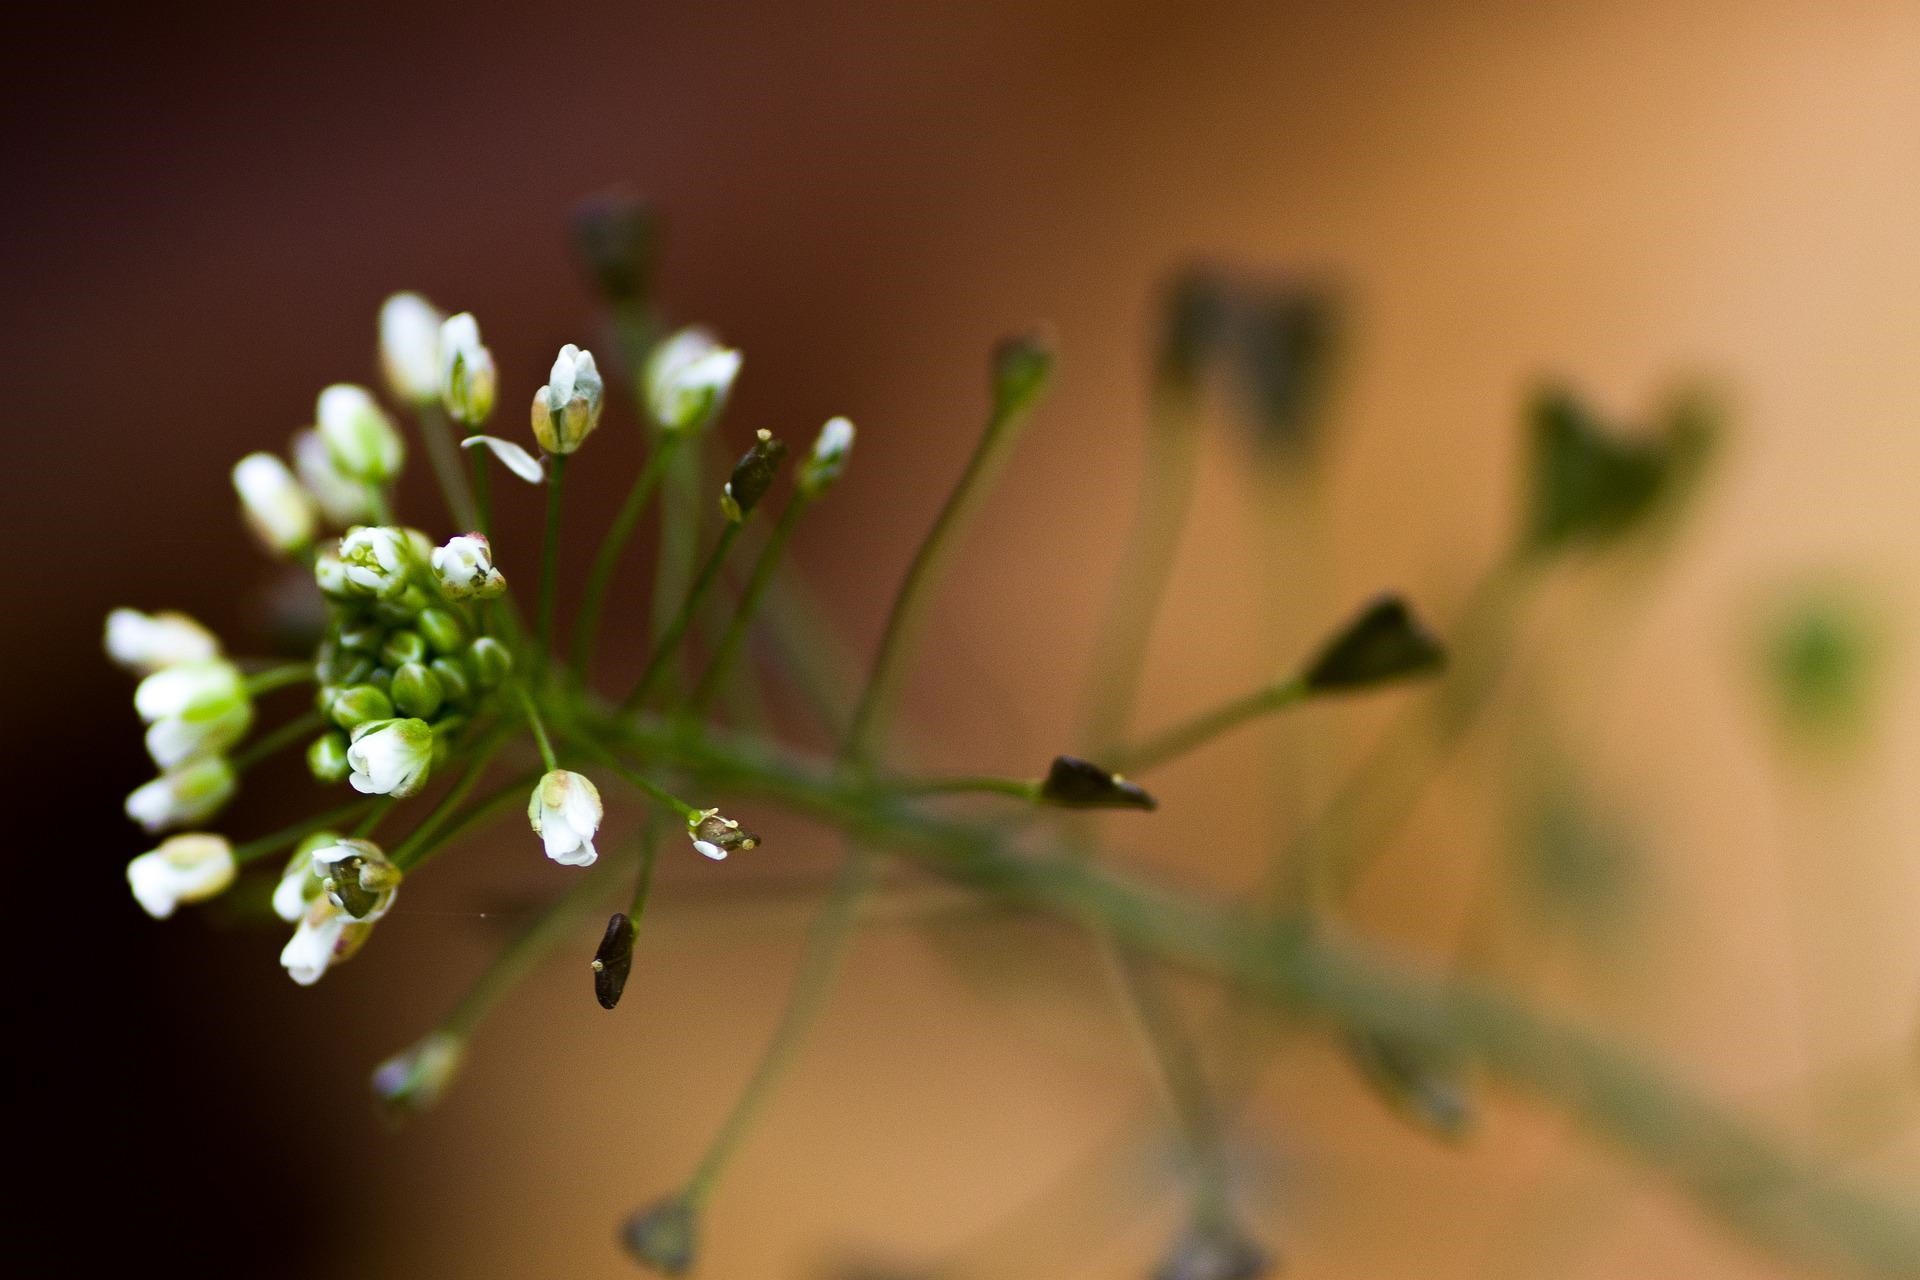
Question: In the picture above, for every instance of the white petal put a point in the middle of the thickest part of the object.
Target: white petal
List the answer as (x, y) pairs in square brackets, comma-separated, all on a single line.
[(512, 456)]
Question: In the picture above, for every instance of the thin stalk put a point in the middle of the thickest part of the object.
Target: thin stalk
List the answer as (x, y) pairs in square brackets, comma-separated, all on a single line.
[(826, 946), (278, 740), (512, 792), (539, 727), (448, 474), (550, 556), (410, 849), (679, 533), (478, 460), (669, 643), (606, 560), (643, 884), (749, 605), (287, 837), (635, 778), (378, 504), (279, 677), (382, 806), (1209, 725), (1027, 789)]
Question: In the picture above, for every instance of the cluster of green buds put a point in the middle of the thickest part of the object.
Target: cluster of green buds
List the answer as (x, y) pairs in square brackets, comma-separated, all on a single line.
[(408, 657)]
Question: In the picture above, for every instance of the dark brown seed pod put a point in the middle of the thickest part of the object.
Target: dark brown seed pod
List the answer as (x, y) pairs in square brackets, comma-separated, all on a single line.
[(613, 961), (1081, 784)]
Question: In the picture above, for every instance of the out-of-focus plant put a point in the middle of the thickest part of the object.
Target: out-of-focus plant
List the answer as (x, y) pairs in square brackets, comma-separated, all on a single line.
[(441, 698)]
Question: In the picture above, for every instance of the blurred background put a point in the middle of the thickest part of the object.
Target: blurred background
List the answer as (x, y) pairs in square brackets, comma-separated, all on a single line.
[(1692, 820)]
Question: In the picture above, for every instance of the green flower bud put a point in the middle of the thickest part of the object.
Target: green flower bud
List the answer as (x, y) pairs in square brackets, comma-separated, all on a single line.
[(441, 629), (362, 636), (567, 409), (1021, 370), (357, 704), (456, 686), (688, 378), (403, 647), (490, 661), (416, 691), (327, 757), (467, 376), (828, 459), (359, 436)]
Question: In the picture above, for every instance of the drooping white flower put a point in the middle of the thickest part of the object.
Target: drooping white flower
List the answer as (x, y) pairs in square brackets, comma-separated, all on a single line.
[(359, 434), (357, 877), (567, 409), (320, 938), (193, 709), (149, 642), (715, 836), (280, 513), (511, 456), (299, 884), (184, 796), (374, 560), (410, 347), (467, 376), (390, 757), (342, 499), (464, 566), (415, 1078), (688, 377), (828, 459), (186, 868), (565, 812)]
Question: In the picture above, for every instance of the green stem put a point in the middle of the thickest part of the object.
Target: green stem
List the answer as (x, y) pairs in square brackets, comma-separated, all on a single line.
[(1209, 725), (643, 885), (444, 455), (669, 643), (749, 605), (279, 739), (287, 837), (411, 848), (607, 559), (1027, 789), (826, 946), (513, 791), (378, 504), (382, 806), (550, 555), (538, 726), (679, 530), (279, 677), (478, 461), (635, 778)]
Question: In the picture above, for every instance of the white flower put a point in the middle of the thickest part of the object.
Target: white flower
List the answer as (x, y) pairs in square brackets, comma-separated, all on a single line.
[(374, 560), (318, 940), (715, 837), (357, 877), (567, 409), (149, 642), (342, 499), (193, 709), (299, 885), (688, 378), (181, 797), (467, 376), (390, 757), (511, 456), (410, 347), (828, 459), (188, 868), (565, 812), (465, 567), (281, 513), (359, 434)]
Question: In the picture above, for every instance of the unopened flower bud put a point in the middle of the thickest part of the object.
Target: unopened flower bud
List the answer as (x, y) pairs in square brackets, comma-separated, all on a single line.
[(663, 1236), (376, 560), (564, 811), (567, 409), (414, 1079), (715, 837), (327, 757), (467, 376), (1383, 642), (1080, 784), (456, 684), (193, 709), (1214, 1252), (465, 568), (489, 660), (280, 513), (149, 642), (1021, 370), (357, 877), (613, 961), (511, 456), (441, 629), (342, 499), (362, 439), (390, 757), (410, 347), (416, 691), (828, 459), (402, 646), (188, 868), (752, 477), (357, 704), (688, 378), (184, 796)]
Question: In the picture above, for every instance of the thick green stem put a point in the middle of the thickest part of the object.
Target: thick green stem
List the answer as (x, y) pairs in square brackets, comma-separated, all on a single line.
[(1209, 725), (668, 646), (606, 560)]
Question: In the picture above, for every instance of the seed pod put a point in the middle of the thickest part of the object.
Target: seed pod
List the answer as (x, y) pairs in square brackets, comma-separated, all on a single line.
[(1384, 642), (1080, 784), (752, 477), (613, 961)]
